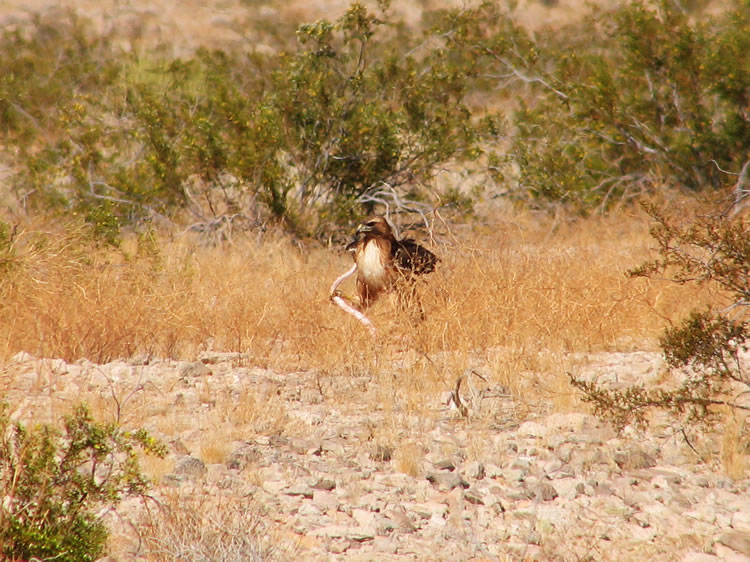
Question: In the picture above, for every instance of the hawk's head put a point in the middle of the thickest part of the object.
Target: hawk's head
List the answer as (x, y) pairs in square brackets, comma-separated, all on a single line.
[(377, 226)]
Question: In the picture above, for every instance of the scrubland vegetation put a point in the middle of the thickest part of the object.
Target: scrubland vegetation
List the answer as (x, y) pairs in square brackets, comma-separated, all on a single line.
[(158, 206)]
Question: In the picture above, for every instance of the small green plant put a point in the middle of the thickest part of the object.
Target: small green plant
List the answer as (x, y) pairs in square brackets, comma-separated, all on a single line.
[(54, 485), (705, 349)]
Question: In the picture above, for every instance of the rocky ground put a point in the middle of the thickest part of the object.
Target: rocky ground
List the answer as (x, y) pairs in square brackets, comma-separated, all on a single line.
[(335, 472)]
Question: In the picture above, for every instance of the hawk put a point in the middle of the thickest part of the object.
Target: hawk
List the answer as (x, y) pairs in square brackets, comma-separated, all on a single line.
[(382, 261)]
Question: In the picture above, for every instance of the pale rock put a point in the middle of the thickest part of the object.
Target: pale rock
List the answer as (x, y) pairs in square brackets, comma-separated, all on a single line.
[(473, 498), (402, 521), (427, 510), (737, 541), (556, 515), (515, 475), (361, 534), (216, 472), (584, 459), (299, 490), (22, 357), (324, 501), (484, 516), (243, 456), (573, 422), (447, 480), (492, 471), (343, 532), (545, 491), (59, 367), (564, 452), (702, 481), (190, 467), (641, 534), (569, 488), (385, 545), (633, 458), (274, 486), (335, 446), (363, 517), (700, 557), (445, 464), (325, 484), (741, 521), (532, 429), (552, 467), (195, 369), (339, 545), (371, 502), (302, 446), (383, 525), (554, 440), (727, 554), (308, 509), (522, 463), (586, 439), (437, 522), (118, 372), (475, 470), (665, 481)]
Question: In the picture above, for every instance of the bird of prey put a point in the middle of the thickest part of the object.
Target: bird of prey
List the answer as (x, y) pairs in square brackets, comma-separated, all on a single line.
[(384, 262)]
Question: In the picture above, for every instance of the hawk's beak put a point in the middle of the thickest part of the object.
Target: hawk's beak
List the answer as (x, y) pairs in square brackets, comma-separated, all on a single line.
[(364, 228)]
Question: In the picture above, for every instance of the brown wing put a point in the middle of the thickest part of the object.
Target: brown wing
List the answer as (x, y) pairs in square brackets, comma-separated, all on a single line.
[(410, 257)]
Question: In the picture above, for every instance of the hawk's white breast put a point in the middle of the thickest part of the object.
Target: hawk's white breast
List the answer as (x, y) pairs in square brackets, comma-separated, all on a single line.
[(371, 265)]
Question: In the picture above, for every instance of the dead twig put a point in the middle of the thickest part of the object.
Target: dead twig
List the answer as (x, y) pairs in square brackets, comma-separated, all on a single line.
[(455, 396)]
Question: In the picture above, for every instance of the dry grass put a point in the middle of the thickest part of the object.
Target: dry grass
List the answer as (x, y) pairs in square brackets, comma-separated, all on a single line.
[(517, 296), (734, 458), (520, 287), (203, 526)]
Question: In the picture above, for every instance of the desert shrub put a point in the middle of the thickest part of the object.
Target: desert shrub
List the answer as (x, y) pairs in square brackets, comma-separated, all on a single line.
[(704, 350), (55, 484), (629, 100), (44, 68), (363, 112), (368, 119), (348, 120)]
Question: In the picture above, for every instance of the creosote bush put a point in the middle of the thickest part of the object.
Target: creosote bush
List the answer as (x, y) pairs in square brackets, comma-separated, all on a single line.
[(55, 484), (309, 138), (364, 112), (705, 350), (627, 101)]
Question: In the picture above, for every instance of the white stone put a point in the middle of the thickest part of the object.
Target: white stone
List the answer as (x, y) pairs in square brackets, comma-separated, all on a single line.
[(741, 521), (700, 557), (22, 357), (274, 486), (308, 509), (363, 517), (532, 429)]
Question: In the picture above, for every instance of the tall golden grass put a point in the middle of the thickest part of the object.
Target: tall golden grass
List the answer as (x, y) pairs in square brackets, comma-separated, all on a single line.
[(520, 283)]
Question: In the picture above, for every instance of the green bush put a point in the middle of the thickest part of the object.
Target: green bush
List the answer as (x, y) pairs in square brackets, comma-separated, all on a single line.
[(362, 112), (317, 136), (704, 350), (631, 100), (45, 69), (54, 485)]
